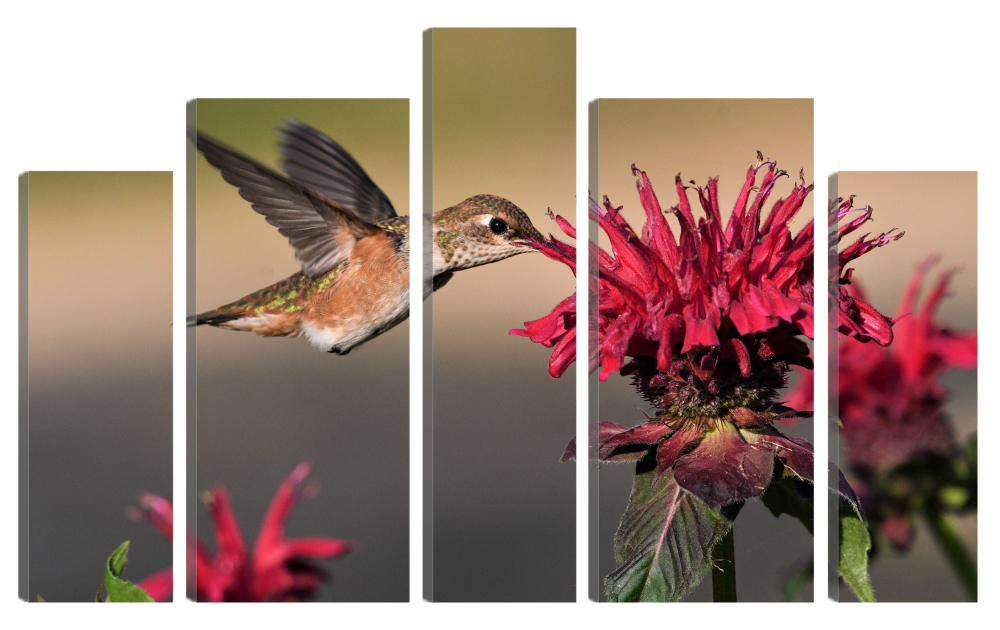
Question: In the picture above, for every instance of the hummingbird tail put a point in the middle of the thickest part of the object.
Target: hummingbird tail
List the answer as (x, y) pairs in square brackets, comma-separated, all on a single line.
[(212, 318), (272, 311)]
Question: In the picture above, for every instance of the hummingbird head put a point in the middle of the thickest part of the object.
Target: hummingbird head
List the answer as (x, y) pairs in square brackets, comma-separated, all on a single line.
[(480, 230)]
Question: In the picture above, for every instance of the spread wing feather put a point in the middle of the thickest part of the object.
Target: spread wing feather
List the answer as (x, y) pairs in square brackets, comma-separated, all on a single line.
[(314, 161), (322, 232)]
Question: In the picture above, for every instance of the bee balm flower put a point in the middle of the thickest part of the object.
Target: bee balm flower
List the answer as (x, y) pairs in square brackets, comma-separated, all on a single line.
[(892, 407), (277, 570), (707, 323)]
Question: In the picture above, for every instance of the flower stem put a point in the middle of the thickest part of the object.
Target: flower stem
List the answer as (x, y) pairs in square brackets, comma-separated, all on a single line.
[(724, 569), (949, 542)]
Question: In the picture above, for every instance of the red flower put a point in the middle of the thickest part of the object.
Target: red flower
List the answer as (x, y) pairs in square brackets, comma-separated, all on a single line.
[(278, 569), (558, 329), (890, 400), (891, 404), (719, 293), (712, 320)]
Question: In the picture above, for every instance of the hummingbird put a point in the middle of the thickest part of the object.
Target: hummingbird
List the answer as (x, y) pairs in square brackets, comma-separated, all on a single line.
[(353, 248)]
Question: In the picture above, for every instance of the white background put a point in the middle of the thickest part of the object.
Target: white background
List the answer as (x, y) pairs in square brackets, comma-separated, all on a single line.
[(102, 86)]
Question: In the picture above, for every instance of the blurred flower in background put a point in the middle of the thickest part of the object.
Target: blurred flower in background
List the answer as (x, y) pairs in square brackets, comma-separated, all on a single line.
[(277, 570), (900, 450)]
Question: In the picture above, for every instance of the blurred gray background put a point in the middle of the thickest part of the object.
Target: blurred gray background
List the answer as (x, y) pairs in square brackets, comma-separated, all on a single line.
[(701, 138), (266, 404), (938, 212), (503, 506), (99, 356)]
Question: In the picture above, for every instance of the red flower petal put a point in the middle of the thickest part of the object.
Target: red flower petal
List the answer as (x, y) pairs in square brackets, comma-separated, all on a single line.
[(552, 327), (701, 321), (661, 236), (563, 355), (723, 468), (157, 511), (228, 538), (899, 531), (856, 318), (318, 547), (861, 320), (272, 530), (599, 433), (160, 586), (628, 442), (735, 350), (673, 447), (746, 418), (795, 453), (929, 347)]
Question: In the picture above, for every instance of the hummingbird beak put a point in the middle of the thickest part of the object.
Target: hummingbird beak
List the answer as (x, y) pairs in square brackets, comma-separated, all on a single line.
[(528, 242), (532, 239)]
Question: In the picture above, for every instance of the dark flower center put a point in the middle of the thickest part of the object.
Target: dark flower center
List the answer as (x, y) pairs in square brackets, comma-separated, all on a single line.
[(699, 385)]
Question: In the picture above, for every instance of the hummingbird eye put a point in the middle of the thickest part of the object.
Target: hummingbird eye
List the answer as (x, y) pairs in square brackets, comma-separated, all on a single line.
[(498, 226)]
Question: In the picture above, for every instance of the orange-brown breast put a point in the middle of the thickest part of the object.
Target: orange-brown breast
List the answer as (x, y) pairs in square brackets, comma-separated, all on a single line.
[(366, 293)]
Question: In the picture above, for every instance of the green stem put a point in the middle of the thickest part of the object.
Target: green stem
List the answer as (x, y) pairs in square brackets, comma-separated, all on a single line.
[(794, 585), (724, 569), (949, 542)]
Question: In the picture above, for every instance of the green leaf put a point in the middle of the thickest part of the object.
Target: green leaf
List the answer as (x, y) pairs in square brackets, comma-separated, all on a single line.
[(664, 542), (855, 542), (793, 496), (118, 589), (118, 559), (854, 546)]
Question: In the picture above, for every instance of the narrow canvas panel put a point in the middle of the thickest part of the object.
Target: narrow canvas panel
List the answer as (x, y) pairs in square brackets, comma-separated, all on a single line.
[(268, 406), (907, 398), (503, 129), (682, 342), (99, 370)]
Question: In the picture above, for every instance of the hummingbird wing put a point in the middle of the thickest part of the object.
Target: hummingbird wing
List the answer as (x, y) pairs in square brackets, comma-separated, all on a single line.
[(315, 162), (321, 231)]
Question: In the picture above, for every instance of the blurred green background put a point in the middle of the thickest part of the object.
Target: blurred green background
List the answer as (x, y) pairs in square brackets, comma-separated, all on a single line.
[(701, 138), (265, 404), (504, 124), (99, 372)]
